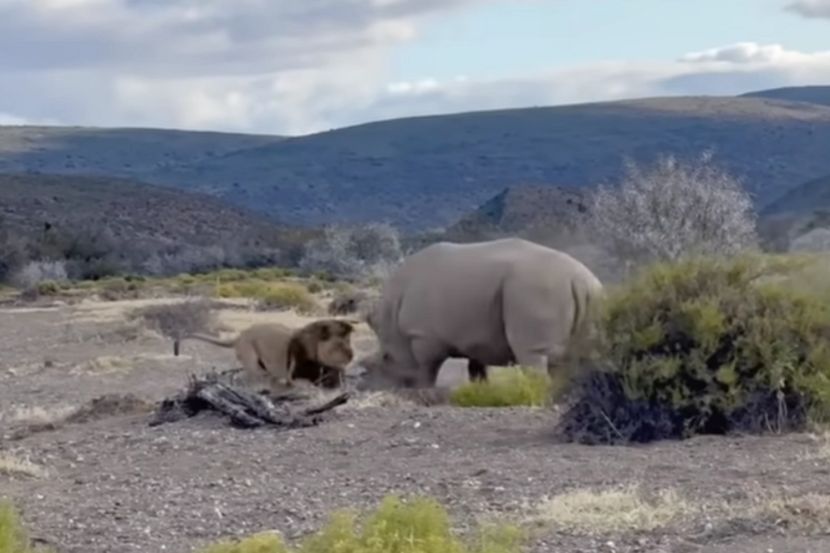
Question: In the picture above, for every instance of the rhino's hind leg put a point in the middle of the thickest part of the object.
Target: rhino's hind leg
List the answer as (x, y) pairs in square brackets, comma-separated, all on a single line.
[(533, 360), (476, 371)]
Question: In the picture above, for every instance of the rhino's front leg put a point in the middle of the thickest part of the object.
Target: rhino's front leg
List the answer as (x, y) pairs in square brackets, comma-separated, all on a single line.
[(429, 356), (476, 371)]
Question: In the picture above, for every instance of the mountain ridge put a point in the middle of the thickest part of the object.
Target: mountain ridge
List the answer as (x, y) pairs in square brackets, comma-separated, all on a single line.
[(430, 171)]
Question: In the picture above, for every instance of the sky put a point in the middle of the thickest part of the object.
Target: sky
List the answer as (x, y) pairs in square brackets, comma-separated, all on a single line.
[(293, 67)]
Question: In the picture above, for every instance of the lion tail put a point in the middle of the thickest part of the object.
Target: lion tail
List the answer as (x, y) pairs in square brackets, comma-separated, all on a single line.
[(227, 343)]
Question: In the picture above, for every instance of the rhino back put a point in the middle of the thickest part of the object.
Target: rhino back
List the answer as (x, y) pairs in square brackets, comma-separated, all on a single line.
[(455, 292)]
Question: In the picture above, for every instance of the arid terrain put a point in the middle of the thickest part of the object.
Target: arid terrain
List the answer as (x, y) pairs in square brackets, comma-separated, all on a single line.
[(113, 484)]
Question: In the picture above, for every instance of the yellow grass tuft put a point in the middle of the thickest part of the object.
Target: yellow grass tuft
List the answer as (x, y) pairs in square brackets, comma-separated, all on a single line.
[(276, 295), (508, 386), (41, 416), (104, 364), (11, 465), (624, 509), (806, 513)]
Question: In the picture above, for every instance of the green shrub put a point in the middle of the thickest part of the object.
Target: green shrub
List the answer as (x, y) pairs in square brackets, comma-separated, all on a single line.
[(258, 543), (229, 275), (417, 526), (707, 346), (13, 537), (270, 273), (48, 288), (314, 286), (287, 296), (509, 386), (272, 295)]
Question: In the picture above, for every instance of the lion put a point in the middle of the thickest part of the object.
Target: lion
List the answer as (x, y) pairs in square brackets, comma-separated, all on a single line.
[(318, 352)]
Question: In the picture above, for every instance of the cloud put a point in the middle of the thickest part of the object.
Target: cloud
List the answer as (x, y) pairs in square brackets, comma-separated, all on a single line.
[(200, 37), (726, 70), (811, 8), (291, 67), (749, 52), (279, 65)]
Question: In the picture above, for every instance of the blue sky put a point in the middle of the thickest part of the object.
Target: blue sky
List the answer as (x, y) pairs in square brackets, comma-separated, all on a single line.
[(504, 38), (299, 66)]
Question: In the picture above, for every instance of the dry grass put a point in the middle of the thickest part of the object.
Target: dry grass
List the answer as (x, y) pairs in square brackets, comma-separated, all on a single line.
[(616, 510), (819, 451), (41, 416), (805, 513), (103, 364), (629, 509), (13, 465)]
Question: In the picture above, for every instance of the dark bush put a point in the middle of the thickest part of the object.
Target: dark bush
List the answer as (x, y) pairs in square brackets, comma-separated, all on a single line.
[(707, 346), (347, 302)]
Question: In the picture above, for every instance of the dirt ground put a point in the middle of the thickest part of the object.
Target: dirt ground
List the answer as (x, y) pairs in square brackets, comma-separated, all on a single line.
[(116, 485)]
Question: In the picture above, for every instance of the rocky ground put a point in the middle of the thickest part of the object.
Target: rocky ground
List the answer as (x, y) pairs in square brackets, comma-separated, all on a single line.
[(113, 484)]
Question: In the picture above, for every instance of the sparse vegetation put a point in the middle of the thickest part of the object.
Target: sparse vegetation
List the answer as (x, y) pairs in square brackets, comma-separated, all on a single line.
[(506, 387), (708, 346), (271, 295), (674, 209), (177, 319), (349, 301), (14, 465), (362, 252), (37, 273), (808, 513), (624, 509), (417, 526), (94, 227)]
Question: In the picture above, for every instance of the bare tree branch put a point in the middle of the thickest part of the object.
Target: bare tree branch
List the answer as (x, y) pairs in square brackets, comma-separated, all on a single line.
[(673, 209)]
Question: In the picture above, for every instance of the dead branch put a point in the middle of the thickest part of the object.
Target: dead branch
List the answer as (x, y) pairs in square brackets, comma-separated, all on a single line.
[(245, 408)]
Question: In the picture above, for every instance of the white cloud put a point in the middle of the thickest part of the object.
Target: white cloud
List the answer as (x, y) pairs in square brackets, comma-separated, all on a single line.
[(750, 52), (291, 67), (811, 8), (278, 65), (731, 69)]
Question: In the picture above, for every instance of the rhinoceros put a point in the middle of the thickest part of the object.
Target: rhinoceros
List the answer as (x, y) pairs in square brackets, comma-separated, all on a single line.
[(497, 302)]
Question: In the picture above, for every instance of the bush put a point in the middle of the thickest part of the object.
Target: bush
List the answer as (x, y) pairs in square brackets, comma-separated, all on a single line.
[(33, 273), (364, 252), (346, 302), (48, 288), (287, 296), (674, 209), (508, 387), (273, 295), (177, 319), (418, 526), (707, 346), (13, 537)]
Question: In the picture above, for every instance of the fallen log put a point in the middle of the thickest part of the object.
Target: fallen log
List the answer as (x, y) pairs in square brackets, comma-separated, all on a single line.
[(245, 408)]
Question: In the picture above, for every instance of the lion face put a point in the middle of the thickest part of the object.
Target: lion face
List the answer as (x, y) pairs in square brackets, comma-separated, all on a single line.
[(333, 343)]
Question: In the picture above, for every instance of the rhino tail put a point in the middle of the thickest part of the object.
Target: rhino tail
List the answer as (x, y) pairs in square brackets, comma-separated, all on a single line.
[(584, 301)]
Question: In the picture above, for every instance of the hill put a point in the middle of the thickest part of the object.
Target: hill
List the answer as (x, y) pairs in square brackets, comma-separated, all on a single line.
[(145, 219), (523, 210), (810, 94), (811, 195), (425, 172), (113, 152), (430, 171)]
